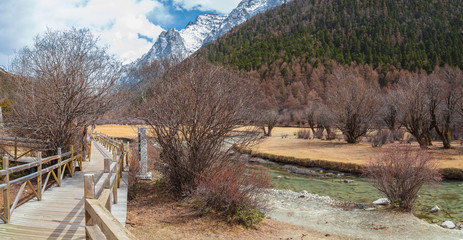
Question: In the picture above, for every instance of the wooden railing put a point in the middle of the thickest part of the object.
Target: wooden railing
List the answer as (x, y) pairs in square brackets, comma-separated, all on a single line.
[(16, 143), (99, 221), (64, 161)]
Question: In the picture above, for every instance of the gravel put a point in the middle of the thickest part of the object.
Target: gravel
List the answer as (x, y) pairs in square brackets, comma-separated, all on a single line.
[(320, 213)]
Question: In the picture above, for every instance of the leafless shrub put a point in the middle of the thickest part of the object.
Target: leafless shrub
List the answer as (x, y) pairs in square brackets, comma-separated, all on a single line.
[(399, 173), (63, 85), (318, 133), (193, 113), (232, 188), (331, 135), (397, 135), (304, 133), (380, 138)]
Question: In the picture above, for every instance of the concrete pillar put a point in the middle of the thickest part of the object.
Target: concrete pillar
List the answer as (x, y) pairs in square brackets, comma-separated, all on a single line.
[(143, 154)]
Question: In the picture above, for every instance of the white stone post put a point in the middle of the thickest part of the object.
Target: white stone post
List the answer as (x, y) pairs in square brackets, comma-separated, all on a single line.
[(143, 154)]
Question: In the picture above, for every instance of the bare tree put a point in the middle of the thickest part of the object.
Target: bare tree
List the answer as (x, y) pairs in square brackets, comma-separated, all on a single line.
[(63, 84), (194, 112), (389, 112), (269, 120), (352, 100), (312, 109), (447, 86), (266, 115), (324, 121), (413, 105)]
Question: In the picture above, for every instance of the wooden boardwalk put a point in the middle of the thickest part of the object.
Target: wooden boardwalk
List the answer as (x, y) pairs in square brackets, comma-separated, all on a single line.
[(60, 214)]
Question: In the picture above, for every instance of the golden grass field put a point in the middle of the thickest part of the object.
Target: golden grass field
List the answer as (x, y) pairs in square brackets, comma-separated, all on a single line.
[(119, 131), (340, 151), (335, 150)]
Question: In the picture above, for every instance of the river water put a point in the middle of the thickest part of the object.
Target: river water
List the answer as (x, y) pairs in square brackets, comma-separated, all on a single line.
[(448, 195)]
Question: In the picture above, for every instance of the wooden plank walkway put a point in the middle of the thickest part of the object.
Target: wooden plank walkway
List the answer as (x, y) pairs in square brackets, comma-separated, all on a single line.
[(60, 214)]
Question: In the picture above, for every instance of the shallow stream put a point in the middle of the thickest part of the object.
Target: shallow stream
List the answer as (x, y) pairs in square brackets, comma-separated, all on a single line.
[(448, 196)]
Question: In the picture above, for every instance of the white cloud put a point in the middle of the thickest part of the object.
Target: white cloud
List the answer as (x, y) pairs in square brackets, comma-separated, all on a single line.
[(221, 6), (116, 22)]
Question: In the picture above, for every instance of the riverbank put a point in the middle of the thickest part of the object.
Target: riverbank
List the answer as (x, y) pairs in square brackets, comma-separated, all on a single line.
[(339, 156), (324, 214)]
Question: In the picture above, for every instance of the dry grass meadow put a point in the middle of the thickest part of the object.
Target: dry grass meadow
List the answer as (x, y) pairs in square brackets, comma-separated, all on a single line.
[(119, 131), (340, 151), (285, 143)]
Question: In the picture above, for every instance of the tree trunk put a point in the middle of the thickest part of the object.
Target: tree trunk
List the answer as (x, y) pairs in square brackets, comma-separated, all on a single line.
[(265, 132), (350, 138), (444, 136), (269, 132), (422, 141)]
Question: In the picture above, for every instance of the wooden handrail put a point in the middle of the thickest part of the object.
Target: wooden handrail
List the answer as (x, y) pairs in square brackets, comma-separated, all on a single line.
[(100, 223), (108, 224), (57, 170), (34, 164)]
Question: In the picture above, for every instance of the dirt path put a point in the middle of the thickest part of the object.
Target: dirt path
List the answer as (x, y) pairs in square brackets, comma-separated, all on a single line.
[(317, 213)]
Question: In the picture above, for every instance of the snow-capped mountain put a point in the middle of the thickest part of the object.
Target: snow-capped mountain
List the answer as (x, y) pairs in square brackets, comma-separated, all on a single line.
[(246, 9), (204, 30)]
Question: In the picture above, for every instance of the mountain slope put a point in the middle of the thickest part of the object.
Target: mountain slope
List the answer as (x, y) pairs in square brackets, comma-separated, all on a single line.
[(204, 30), (390, 34)]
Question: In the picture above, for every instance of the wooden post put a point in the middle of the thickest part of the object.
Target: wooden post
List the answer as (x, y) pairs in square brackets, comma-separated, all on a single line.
[(59, 167), (119, 171), (15, 149), (115, 155), (127, 155), (89, 193), (39, 178), (115, 193), (107, 184), (80, 158), (72, 160), (107, 165), (89, 150), (6, 191)]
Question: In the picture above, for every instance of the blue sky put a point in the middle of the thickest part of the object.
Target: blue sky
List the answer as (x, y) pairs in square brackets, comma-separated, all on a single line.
[(127, 27), (178, 16)]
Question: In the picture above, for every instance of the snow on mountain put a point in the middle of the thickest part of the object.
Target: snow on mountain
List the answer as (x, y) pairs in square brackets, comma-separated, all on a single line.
[(204, 30), (194, 34), (246, 9)]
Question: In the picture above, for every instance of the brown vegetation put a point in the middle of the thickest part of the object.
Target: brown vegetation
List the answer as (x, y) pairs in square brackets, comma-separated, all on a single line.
[(194, 108), (352, 101), (156, 213), (62, 85), (231, 188), (400, 172)]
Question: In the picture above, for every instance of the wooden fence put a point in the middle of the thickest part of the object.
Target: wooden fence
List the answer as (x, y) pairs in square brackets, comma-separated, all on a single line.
[(17, 143), (99, 222), (39, 167)]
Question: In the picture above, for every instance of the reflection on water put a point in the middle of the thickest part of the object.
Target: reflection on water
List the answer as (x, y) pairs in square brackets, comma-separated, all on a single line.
[(448, 196)]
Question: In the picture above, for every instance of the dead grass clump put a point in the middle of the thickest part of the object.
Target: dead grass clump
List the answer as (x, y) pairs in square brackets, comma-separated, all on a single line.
[(232, 189), (452, 173)]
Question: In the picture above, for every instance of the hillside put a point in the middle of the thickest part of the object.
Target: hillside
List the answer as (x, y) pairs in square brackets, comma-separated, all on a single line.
[(387, 35)]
